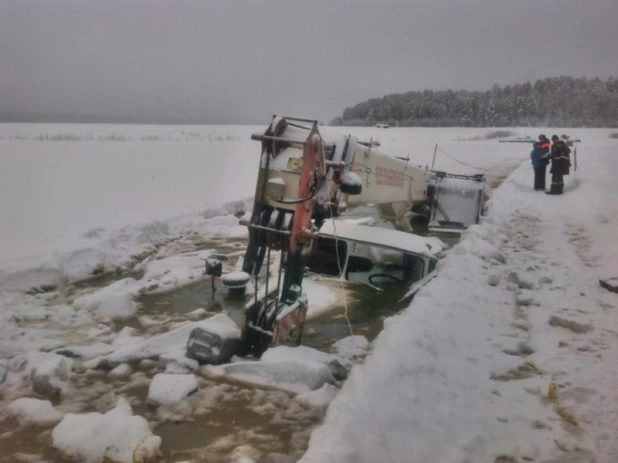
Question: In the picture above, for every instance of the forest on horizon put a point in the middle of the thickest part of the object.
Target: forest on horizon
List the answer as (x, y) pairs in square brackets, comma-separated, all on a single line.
[(551, 102)]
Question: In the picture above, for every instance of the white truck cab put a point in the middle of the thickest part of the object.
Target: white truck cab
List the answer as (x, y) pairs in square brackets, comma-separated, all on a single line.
[(353, 251)]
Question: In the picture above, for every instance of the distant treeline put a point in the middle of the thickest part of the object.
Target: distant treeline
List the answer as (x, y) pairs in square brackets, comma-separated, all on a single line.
[(552, 102)]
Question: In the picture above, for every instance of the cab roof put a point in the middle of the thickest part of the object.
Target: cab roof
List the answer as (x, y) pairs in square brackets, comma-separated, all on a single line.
[(355, 231)]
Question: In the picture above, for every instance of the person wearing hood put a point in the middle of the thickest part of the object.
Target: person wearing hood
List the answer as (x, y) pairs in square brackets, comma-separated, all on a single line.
[(540, 158), (560, 164)]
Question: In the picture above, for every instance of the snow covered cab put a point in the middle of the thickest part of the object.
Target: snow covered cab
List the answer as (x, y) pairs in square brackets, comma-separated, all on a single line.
[(352, 251)]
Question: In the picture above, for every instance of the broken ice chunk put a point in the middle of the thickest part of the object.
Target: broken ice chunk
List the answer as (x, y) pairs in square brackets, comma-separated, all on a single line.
[(168, 389), (290, 375), (35, 411), (116, 436), (49, 373)]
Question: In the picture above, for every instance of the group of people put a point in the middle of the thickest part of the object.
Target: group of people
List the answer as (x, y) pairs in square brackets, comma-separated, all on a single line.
[(559, 154)]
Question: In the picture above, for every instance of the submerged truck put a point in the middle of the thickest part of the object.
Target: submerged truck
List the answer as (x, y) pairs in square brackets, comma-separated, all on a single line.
[(308, 177)]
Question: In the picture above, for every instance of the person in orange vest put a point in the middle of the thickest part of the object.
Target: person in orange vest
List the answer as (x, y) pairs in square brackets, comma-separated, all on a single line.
[(540, 159)]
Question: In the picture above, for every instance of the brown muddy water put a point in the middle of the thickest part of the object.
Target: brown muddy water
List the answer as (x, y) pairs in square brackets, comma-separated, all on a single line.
[(224, 419)]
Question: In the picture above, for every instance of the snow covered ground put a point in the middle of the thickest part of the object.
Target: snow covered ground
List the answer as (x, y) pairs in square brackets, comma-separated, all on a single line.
[(84, 200), (509, 354)]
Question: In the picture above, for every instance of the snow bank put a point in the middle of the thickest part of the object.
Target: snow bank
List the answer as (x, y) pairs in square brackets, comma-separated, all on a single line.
[(427, 378), (114, 436), (290, 375), (172, 341), (466, 373), (34, 411), (169, 389)]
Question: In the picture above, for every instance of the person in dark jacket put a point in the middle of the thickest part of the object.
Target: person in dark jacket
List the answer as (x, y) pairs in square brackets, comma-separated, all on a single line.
[(560, 164), (540, 159)]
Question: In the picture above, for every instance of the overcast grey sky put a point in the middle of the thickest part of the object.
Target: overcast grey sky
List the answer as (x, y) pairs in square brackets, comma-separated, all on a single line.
[(242, 61)]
